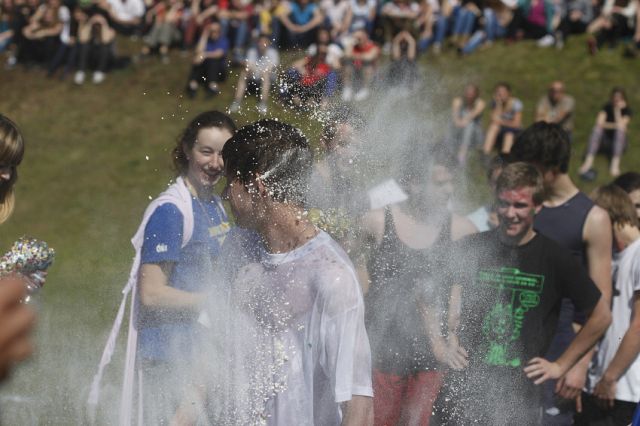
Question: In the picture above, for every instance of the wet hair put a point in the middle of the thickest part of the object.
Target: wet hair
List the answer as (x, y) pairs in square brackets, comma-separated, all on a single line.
[(521, 175), (629, 181), (617, 203), (546, 145), (276, 153), (11, 153), (187, 139)]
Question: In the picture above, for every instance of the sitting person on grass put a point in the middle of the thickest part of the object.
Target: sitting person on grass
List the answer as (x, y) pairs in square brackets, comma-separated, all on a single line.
[(210, 61), (506, 120), (360, 60)]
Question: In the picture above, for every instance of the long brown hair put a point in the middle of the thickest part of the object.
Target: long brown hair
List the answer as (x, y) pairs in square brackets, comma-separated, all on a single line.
[(11, 153)]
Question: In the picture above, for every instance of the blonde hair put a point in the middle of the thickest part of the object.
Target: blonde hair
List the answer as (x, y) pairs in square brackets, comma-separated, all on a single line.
[(11, 153)]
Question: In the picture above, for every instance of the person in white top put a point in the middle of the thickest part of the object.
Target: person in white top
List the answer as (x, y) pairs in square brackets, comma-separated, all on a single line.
[(613, 387), (261, 67), (300, 293)]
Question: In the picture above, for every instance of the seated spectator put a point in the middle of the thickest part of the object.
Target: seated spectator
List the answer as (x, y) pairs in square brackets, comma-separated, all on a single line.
[(360, 59), (334, 51), (465, 22), (614, 22), (259, 74), (533, 19), (466, 126), (398, 16), (506, 120), (310, 81), (67, 47), (42, 34), (485, 217), (268, 21), (613, 385), (557, 107), (166, 16), (337, 17), (362, 15), (609, 135), (95, 38), (497, 17), (125, 16), (403, 69), (630, 183), (301, 19), (576, 16), (235, 26), (210, 61)]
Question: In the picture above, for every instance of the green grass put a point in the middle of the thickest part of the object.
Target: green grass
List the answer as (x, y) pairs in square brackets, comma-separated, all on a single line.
[(95, 154)]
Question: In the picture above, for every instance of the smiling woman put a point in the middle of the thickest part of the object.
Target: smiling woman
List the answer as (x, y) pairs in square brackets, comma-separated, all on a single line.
[(180, 236)]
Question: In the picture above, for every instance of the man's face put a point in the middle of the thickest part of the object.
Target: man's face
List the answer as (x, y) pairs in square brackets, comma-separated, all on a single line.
[(516, 211), (556, 91), (241, 201)]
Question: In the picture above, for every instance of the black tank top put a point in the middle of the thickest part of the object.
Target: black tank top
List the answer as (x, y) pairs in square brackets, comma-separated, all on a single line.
[(399, 276), (564, 224)]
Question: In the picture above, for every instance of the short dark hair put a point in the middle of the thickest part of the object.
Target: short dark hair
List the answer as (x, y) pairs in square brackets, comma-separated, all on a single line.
[(543, 144), (276, 152), (187, 139), (617, 203), (629, 181), (521, 175)]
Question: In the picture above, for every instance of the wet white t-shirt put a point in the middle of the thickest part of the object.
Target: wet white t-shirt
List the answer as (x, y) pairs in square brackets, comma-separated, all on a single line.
[(310, 301), (626, 273)]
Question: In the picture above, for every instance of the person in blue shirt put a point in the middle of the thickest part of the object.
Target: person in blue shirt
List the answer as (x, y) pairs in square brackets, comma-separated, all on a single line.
[(183, 236), (210, 60)]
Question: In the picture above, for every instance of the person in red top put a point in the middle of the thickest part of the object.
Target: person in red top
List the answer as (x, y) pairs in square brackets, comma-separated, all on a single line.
[(360, 57), (311, 78)]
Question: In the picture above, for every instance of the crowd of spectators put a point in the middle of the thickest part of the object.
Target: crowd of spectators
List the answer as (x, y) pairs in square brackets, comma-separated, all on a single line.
[(80, 35)]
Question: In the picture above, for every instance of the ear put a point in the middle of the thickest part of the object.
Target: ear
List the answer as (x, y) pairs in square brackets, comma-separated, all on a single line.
[(258, 183)]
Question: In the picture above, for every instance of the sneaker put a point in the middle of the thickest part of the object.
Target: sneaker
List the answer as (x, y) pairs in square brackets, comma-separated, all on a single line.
[(235, 107), (79, 78), (589, 176), (98, 77), (262, 108), (362, 94), (347, 94), (546, 41)]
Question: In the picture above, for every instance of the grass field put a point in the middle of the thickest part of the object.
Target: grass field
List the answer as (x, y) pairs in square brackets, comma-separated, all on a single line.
[(96, 154)]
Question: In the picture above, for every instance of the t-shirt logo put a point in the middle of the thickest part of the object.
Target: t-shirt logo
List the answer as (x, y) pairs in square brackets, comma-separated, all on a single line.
[(517, 293), (162, 248)]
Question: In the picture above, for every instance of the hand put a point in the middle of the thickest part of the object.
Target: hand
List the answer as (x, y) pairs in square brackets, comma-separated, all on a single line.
[(451, 354), (570, 386), (605, 392), (16, 323), (540, 370)]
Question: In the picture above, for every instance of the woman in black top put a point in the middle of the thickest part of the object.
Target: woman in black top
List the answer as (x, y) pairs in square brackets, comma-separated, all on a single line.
[(609, 134)]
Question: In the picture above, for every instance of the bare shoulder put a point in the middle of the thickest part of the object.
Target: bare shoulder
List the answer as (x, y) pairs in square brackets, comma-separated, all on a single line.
[(597, 225), (461, 227)]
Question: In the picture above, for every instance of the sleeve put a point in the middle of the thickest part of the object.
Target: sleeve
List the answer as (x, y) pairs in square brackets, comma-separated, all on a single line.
[(163, 235), (346, 355), (517, 105), (574, 280)]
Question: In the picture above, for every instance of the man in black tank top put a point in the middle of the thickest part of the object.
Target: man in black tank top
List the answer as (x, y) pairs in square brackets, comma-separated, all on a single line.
[(570, 218)]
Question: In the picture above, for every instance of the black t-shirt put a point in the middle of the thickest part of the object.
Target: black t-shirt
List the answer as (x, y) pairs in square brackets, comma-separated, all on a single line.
[(510, 304), (608, 109)]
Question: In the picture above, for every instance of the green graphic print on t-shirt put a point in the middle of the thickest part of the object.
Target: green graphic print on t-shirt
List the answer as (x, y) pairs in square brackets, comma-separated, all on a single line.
[(518, 292)]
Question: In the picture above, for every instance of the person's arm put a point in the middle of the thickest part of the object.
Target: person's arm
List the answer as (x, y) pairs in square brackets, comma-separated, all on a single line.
[(455, 112), (515, 122), (541, 111), (540, 370), (358, 411), (155, 291), (16, 323), (601, 121), (461, 227), (627, 352), (565, 113), (621, 121), (284, 18)]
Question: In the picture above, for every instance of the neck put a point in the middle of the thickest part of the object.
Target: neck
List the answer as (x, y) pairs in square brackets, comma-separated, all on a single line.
[(200, 191), (625, 235), (527, 237), (285, 228), (561, 190)]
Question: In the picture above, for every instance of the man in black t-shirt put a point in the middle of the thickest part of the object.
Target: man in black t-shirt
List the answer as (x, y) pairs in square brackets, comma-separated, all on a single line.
[(505, 305)]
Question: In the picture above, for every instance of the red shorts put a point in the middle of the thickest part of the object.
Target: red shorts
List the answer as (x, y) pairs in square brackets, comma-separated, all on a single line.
[(404, 400)]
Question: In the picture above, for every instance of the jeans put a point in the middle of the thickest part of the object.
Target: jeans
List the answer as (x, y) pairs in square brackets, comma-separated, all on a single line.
[(492, 30), (440, 27), (464, 22)]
